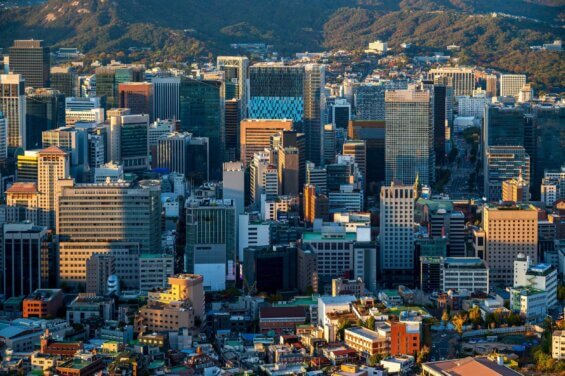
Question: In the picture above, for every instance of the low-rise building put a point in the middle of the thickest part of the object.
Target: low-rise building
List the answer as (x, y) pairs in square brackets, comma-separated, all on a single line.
[(281, 319), (558, 345), (88, 305), (43, 303), (464, 273), (529, 302), (367, 342)]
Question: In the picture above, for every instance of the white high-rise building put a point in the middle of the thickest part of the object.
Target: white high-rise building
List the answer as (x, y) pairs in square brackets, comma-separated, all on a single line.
[(541, 277), (13, 105), (397, 231), (234, 184), (463, 79), (235, 70), (252, 232), (511, 84), (263, 177)]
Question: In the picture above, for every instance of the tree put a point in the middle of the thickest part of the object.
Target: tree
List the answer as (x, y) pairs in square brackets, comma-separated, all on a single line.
[(374, 360), (423, 354), (342, 324), (445, 316), (370, 323), (459, 320), (475, 315)]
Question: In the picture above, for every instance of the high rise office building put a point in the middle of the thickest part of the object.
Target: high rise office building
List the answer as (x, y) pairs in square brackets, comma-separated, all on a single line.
[(317, 177), (340, 113), (510, 229), (231, 134), (263, 177), (3, 138), (373, 133), (503, 163), (440, 97), (137, 96), (370, 102), (109, 77), (549, 153), (45, 111), (28, 260), (211, 241), (314, 110), (492, 85), (233, 184), (185, 154), (397, 232), (463, 79), (74, 142), (255, 135), (276, 91), (409, 150), (236, 70), (115, 218), (65, 80), (358, 150), (508, 126), (52, 166), (31, 59), (166, 96), (128, 140), (202, 114), (511, 84), (13, 105)]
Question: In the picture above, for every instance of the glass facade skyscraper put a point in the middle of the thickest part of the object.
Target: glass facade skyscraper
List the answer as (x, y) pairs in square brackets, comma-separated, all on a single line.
[(202, 114), (31, 59), (409, 139)]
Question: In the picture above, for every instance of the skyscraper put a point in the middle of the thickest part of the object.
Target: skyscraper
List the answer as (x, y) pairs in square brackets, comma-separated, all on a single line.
[(202, 114), (109, 77), (511, 84), (314, 110), (65, 79), (409, 150), (236, 70), (510, 229), (492, 85), (255, 135), (31, 59), (233, 188), (45, 111), (28, 260), (74, 142), (128, 140), (463, 79), (13, 105), (263, 177), (116, 218), (373, 133), (166, 96), (52, 165), (397, 232), (358, 150), (503, 163), (137, 96), (211, 241), (276, 91), (340, 113), (231, 134), (185, 154), (3, 138), (504, 126)]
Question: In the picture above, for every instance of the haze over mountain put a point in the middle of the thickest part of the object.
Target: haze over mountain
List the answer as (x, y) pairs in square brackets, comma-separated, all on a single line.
[(183, 28)]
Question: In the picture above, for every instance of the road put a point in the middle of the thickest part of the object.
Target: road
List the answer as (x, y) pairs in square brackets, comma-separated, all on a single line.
[(444, 345), (461, 170)]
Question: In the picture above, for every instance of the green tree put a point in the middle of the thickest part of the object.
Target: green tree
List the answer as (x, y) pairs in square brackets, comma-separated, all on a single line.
[(342, 324), (370, 323), (423, 355), (374, 360)]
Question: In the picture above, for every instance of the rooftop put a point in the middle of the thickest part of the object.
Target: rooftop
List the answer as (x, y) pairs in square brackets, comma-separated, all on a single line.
[(365, 333), (277, 312), (470, 367), (21, 187)]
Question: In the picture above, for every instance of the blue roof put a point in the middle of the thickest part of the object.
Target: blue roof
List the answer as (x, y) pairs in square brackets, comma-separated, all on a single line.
[(12, 331)]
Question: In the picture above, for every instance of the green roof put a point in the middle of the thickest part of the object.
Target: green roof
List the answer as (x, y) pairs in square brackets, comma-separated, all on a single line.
[(435, 205), (396, 310), (299, 301), (318, 236)]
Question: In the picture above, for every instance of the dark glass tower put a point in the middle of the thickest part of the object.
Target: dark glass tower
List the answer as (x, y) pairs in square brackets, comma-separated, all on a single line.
[(45, 110), (31, 59), (201, 113)]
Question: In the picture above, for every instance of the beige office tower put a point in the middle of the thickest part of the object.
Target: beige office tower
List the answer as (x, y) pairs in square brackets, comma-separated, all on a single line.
[(255, 135), (492, 85), (263, 177), (13, 105), (52, 166), (511, 84), (358, 150), (183, 287), (463, 79), (117, 218), (98, 268), (516, 190), (288, 170), (510, 229)]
